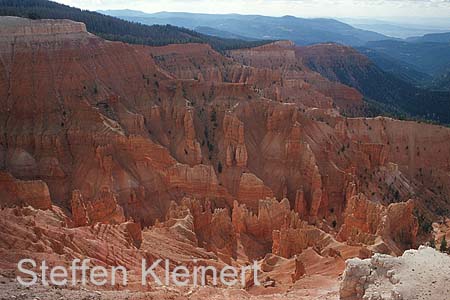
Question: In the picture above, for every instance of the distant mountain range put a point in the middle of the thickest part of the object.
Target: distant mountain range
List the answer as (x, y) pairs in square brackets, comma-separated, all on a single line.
[(401, 27), (299, 30), (416, 60), (431, 38)]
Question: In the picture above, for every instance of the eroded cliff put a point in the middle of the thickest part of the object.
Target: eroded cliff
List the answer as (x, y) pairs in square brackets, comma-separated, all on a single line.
[(182, 152)]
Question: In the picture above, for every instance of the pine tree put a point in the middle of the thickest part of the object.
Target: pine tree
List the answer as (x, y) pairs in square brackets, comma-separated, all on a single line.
[(443, 247), (432, 243)]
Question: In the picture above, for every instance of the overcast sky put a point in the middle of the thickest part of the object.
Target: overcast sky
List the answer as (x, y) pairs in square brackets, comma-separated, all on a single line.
[(300, 8)]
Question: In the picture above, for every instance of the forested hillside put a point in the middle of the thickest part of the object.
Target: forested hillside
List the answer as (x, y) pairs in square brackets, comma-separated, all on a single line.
[(302, 31), (427, 57), (398, 97), (112, 28)]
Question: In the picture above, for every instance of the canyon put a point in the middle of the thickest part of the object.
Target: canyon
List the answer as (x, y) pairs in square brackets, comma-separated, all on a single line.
[(118, 153)]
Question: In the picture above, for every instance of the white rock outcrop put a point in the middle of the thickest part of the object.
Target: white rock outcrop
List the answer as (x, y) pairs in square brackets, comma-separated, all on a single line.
[(15, 28), (417, 274)]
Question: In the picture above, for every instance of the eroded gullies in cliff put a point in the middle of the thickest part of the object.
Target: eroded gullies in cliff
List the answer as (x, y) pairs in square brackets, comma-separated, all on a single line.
[(117, 152)]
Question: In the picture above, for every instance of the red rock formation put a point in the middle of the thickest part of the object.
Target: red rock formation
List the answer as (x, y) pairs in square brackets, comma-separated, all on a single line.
[(290, 241), (256, 230), (330, 54), (299, 205), (251, 189), (212, 229), (80, 215), (361, 219), (23, 193), (234, 142), (134, 231), (39, 233), (183, 134), (285, 58), (180, 222), (401, 226), (103, 209), (365, 221), (299, 270)]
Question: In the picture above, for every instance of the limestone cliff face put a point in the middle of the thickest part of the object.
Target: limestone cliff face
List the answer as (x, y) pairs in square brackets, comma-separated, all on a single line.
[(201, 62), (14, 28), (275, 54)]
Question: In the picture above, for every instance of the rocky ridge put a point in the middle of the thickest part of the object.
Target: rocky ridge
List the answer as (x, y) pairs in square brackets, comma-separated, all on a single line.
[(417, 274)]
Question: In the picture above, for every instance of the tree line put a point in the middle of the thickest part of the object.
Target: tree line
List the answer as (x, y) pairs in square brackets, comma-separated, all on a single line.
[(115, 29)]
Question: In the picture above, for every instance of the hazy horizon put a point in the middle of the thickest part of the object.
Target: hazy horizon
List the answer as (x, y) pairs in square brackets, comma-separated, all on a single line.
[(381, 9)]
